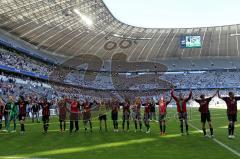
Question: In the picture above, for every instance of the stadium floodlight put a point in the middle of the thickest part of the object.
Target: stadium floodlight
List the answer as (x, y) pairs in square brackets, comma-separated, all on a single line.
[(86, 19), (235, 34), (129, 37), (116, 35)]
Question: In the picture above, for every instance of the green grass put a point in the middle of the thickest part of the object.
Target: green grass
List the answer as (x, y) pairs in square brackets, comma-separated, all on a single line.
[(108, 145)]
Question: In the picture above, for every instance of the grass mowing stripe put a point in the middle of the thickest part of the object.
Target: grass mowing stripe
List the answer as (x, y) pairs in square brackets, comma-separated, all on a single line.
[(225, 127), (219, 142), (87, 148), (12, 157)]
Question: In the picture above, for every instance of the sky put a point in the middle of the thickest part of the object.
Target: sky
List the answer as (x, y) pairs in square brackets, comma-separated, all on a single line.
[(175, 13)]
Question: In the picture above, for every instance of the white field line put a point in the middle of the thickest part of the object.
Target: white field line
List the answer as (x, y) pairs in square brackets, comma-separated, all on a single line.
[(219, 142)]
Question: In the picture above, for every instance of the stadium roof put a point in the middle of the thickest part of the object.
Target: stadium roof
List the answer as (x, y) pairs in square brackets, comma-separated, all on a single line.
[(74, 27)]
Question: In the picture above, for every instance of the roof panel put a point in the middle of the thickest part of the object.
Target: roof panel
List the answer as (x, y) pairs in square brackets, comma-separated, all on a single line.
[(54, 26)]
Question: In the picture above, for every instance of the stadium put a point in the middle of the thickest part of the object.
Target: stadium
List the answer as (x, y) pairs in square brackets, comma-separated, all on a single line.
[(78, 82)]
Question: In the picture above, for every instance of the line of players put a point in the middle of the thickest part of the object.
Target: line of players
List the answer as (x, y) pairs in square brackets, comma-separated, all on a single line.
[(17, 109)]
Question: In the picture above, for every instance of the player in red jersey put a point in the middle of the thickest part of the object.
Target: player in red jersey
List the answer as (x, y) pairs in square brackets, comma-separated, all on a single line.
[(86, 107), (74, 113), (205, 113), (2, 107), (126, 113), (162, 109), (231, 103), (45, 113), (182, 109), (146, 118), (115, 108), (22, 105), (137, 113), (62, 111)]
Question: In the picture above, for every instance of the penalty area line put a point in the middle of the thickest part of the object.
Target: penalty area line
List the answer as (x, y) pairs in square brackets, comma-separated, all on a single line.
[(219, 142)]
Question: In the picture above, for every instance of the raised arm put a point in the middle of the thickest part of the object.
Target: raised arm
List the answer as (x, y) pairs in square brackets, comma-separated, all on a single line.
[(172, 95), (219, 96), (197, 100), (189, 96), (169, 101), (214, 94)]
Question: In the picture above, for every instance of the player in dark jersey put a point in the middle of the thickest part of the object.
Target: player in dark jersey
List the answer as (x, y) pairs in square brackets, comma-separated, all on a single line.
[(45, 113), (115, 108), (137, 113), (126, 113), (86, 107), (153, 111), (231, 103), (35, 110), (182, 109), (74, 113), (162, 109), (205, 113), (2, 107), (62, 113), (146, 117), (22, 106), (102, 110)]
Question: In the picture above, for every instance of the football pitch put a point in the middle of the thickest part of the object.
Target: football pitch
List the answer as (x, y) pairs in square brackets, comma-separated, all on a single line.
[(128, 145)]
